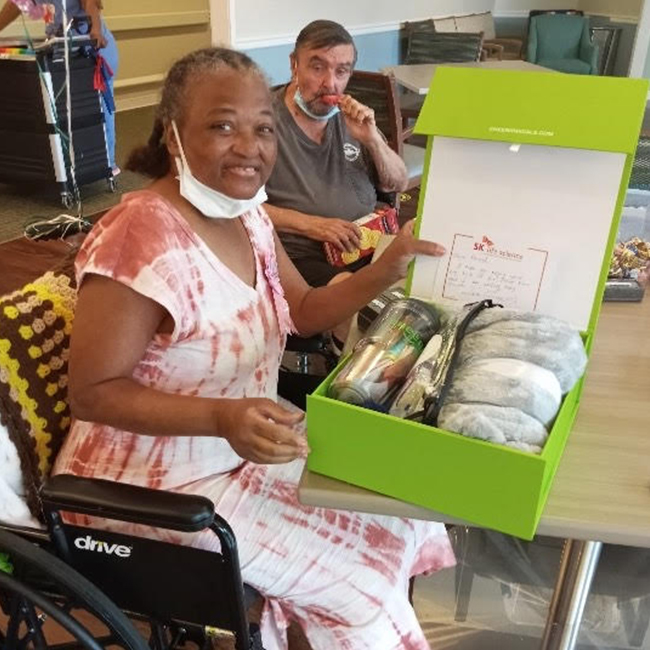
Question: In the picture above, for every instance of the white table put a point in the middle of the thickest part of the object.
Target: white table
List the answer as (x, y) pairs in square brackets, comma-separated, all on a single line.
[(601, 492), (418, 77)]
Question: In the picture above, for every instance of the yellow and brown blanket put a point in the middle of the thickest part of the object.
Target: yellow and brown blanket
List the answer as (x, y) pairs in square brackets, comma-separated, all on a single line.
[(35, 325)]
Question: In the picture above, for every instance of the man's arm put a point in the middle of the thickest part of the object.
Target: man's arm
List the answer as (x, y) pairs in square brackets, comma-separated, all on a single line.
[(8, 14), (360, 122), (391, 170), (341, 233)]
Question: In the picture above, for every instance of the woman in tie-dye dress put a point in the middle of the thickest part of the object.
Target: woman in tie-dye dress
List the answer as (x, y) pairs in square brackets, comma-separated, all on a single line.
[(180, 326)]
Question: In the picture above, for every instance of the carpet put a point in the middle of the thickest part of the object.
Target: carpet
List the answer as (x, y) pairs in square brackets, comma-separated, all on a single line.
[(22, 204)]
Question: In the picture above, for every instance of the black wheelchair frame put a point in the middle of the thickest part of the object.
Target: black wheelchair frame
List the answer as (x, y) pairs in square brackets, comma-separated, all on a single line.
[(182, 593)]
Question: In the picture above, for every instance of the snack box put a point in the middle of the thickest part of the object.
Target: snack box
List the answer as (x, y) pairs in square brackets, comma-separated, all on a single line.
[(372, 227)]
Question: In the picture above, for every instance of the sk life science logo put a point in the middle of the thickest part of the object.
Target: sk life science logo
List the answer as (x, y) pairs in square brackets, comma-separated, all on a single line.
[(351, 151), (87, 543), (486, 245)]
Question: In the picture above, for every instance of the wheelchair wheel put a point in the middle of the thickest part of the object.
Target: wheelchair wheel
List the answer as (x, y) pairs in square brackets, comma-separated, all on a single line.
[(44, 604)]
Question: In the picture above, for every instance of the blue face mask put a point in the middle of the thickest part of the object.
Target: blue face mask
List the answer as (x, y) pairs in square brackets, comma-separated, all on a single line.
[(302, 105)]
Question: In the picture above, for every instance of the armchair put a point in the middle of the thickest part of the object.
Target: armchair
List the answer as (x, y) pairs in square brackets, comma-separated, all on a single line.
[(562, 42)]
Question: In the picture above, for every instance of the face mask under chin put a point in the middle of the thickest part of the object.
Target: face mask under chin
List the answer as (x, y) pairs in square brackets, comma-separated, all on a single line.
[(302, 105), (210, 202)]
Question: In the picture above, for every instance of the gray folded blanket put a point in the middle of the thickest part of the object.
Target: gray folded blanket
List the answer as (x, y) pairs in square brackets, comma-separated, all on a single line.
[(528, 336), (503, 425), (512, 370), (479, 383)]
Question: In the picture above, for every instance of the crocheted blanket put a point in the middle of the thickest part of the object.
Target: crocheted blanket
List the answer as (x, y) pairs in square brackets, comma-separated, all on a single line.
[(35, 325)]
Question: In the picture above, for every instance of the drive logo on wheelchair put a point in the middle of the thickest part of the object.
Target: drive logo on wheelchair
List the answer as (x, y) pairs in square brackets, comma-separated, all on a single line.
[(87, 543)]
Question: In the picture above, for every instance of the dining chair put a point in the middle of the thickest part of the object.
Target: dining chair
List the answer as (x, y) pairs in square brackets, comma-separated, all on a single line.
[(379, 92), (427, 46)]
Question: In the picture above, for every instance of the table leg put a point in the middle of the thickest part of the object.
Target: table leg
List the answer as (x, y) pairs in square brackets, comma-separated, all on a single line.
[(577, 570)]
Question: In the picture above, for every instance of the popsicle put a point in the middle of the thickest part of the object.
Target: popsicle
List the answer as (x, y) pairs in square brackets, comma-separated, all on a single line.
[(330, 100)]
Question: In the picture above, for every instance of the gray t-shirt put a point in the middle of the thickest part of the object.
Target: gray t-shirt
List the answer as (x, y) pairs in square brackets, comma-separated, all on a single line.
[(335, 178)]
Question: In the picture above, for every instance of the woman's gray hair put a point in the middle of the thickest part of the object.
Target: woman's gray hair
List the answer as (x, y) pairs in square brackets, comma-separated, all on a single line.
[(152, 159)]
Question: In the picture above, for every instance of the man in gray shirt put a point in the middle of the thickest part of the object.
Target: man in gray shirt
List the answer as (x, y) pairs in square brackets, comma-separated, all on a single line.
[(331, 156)]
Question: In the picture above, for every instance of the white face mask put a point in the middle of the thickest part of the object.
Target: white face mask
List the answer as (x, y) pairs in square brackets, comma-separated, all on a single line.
[(207, 201)]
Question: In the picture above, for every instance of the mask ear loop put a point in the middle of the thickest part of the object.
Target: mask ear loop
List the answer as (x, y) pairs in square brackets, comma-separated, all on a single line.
[(180, 147)]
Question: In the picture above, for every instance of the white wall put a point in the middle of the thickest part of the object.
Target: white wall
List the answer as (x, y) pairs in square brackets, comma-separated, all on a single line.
[(640, 66), (625, 9), (268, 22), (522, 7)]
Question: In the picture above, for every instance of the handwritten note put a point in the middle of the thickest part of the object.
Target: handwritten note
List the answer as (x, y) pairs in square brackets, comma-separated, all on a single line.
[(481, 268)]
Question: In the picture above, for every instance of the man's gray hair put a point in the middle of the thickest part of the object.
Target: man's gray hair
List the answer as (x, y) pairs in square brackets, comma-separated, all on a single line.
[(324, 34)]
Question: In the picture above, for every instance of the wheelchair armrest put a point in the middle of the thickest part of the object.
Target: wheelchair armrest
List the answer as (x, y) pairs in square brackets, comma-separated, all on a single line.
[(309, 345), (112, 500)]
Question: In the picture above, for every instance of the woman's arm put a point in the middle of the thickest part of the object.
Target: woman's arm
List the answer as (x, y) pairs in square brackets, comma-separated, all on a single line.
[(8, 14), (320, 309), (112, 329), (93, 9)]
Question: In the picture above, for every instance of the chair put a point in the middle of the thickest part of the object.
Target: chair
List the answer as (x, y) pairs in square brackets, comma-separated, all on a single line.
[(379, 92), (562, 12), (428, 46), (425, 45), (562, 42), (495, 47), (606, 38)]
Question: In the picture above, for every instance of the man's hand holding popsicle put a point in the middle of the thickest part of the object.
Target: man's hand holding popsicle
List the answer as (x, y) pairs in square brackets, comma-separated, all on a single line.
[(359, 119)]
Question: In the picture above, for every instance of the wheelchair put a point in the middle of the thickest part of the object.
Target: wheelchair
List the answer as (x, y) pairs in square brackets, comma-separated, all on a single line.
[(177, 594), (65, 586)]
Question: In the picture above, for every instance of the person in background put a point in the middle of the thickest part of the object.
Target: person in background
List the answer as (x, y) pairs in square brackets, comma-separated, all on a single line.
[(185, 301), (86, 19), (331, 156)]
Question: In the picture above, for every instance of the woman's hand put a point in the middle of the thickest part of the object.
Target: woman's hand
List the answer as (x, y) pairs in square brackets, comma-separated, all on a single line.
[(259, 430), (93, 9), (396, 258), (97, 35)]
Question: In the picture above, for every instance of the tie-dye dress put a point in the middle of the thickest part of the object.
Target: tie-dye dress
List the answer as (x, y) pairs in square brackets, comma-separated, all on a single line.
[(343, 576)]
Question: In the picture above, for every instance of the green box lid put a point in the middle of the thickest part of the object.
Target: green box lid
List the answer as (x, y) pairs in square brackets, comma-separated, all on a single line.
[(564, 110), (536, 108)]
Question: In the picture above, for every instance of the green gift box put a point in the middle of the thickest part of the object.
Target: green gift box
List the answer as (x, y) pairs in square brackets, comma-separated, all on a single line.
[(524, 183)]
